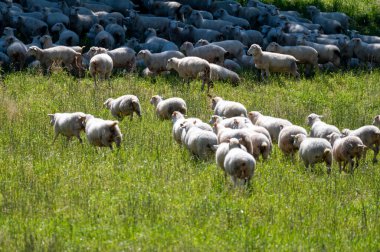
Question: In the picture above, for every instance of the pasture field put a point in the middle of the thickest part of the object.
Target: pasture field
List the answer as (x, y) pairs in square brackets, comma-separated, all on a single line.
[(151, 195)]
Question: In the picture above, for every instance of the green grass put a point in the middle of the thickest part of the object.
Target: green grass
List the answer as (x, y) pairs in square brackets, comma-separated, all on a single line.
[(152, 195)]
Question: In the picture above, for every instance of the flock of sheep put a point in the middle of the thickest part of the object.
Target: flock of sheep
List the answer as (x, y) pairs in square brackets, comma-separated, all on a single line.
[(210, 40)]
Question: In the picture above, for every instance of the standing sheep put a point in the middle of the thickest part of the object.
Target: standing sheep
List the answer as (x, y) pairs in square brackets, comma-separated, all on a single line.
[(286, 139), (320, 129), (156, 62), (177, 119), (67, 124), (123, 106), (101, 66), (165, 108), (222, 151), (227, 108), (211, 53)]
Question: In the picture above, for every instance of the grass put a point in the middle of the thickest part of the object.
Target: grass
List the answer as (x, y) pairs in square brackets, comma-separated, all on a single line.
[(152, 195)]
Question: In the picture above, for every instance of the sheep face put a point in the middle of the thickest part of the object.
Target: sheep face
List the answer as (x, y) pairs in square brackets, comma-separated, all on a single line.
[(376, 121), (333, 137), (273, 47), (176, 115), (107, 103), (297, 139), (312, 118), (171, 63), (254, 50), (57, 27), (215, 101), (346, 132), (186, 46), (52, 119), (142, 54), (155, 100), (253, 116)]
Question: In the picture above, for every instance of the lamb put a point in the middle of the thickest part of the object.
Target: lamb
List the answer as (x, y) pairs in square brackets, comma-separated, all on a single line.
[(239, 164), (314, 150), (199, 142), (222, 150), (267, 61), (304, 54), (177, 119), (370, 136), (66, 36), (222, 14), (272, 124), (191, 67), (198, 21), (223, 74), (101, 66), (227, 108), (193, 34), (326, 53), (156, 62), (67, 124), (346, 149), (165, 108), (286, 141), (320, 129), (63, 54), (123, 106), (211, 53), (102, 133)]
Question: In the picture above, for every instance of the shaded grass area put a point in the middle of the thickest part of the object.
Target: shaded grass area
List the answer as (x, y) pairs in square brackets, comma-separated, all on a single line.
[(152, 195)]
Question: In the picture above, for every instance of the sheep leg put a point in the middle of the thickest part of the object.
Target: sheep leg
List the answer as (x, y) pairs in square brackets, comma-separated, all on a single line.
[(375, 152), (55, 137), (352, 162), (262, 74), (80, 139)]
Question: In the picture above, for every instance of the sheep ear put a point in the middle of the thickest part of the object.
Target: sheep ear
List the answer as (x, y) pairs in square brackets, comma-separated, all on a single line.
[(51, 115)]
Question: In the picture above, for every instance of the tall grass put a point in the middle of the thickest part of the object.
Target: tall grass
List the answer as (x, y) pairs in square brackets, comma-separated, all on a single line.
[(152, 195)]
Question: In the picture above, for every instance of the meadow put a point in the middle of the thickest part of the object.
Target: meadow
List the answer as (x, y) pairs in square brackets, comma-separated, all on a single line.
[(152, 195)]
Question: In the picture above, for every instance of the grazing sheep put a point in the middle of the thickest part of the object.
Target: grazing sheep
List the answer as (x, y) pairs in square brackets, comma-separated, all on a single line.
[(102, 133), (123, 106), (211, 53), (272, 124), (193, 34), (286, 141), (122, 57), (320, 129), (101, 66), (313, 150), (165, 108), (275, 62), (67, 124), (222, 14), (346, 149), (231, 65), (191, 67), (223, 74), (156, 62), (304, 54), (222, 150), (239, 164), (198, 21), (199, 142), (227, 108), (234, 48), (370, 136), (177, 119)]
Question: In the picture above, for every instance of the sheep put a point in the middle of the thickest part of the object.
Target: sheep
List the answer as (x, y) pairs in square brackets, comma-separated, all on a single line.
[(55, 17), (234, 47), (198, 21), (272, 124), (177, 34), (67, 124), (66, 36), (102, 133), (63, 54), (156, 62), (117, 32), (329, 26), (222, 150), (370, 136), (16, 51), (232, 65), (165, 108), (239, 164), (29, 26), (177, 119), (223, 74), (319, 128), (81, 23), (101, 37), (199, 142), (341, 17), (267, 61), (222, 14), (304, 54), (286, 141), (365, 38), (169, 9), (247, 37), (364, 51), (227, 108), (193, 34), (314, 150), (376, 121), (101, 66), (191, 67), (157, 44), (346, 149), (123, 106), (326, 53), (122, 57), (251, 14), (47, 42), (211, 53)]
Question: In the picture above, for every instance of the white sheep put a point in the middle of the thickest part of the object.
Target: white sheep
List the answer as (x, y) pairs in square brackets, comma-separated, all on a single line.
[(346, 149), (364, 51), (239, 164), (222, 149), (227, 108), (319, 128), (102, 133), (211, 53), (272, 124), (156, 62), (370, 136), (286, 141), (191, 67), (67, 124), (313, 150), (101, 66), (275, 62), (219, 73), (165, 108), (177, 119), (123, 106)]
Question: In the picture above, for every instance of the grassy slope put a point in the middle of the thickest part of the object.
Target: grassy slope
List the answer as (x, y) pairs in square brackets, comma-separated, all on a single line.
[(152, 195)]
